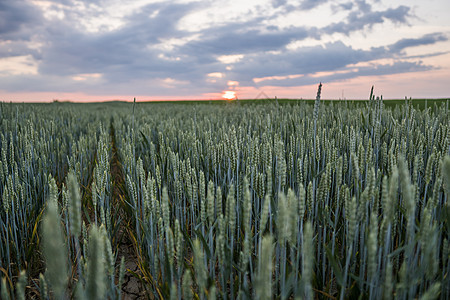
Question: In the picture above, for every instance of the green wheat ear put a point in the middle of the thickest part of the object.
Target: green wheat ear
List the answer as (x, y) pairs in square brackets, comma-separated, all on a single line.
[(212, 293), (96, 276), (4, 289), (54, 248), (42, 286), (21, 286), (200, 271), (264, 275), (186, 285), (446, 174), (308, 260), (433, 292), (74, 205)]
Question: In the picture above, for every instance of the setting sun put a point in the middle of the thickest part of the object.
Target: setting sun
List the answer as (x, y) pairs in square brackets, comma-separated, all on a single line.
[(229, 95)]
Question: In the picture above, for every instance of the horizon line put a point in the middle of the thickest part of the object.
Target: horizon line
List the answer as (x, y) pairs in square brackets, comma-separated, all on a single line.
[(206, 100)]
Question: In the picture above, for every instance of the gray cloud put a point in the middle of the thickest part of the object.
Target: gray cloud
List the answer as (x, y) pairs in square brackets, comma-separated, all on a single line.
[(18, 48), (385, 69), (365, 17), (16, 17), (223, 41), (126, 51), (310, 4), (304, 60), (11, 16), (329, 58), (278, 3), (433, 54), (427, 39), (344, 6)]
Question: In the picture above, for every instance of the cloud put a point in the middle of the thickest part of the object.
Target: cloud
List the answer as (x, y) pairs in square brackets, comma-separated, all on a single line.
[(279, 3), (427, 55), (127, 50), (305, 60), (310, 4), (16, 17), (224, 41), (375, 70), (343, 6), (18, 48), (364, 17), (427, 39), (125, 55), (336, 58)]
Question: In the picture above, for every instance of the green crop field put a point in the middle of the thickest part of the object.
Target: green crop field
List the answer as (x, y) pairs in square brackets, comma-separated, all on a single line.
[(262, 199)]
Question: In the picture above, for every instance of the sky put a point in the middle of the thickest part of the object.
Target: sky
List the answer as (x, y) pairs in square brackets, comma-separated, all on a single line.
[(94, 50)]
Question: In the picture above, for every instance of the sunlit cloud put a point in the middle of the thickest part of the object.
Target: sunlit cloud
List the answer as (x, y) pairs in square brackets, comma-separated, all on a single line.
[(330, 73), (171, 44), (172, 83), (18, 65), (270, 78), (170, 58), (84, 77), (230, 59), (216, 75)]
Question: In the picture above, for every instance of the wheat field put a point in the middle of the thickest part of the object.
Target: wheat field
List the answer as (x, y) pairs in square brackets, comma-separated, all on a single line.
[(236, 200)]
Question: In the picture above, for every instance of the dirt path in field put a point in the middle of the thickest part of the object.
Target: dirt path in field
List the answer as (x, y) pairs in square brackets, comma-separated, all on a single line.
[(132, 287)]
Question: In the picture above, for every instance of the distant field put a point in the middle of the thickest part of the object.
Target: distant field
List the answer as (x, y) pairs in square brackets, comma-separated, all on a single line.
[(418, 103)]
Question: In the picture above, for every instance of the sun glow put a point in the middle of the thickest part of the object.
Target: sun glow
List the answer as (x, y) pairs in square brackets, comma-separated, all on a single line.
[(229, 95)]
